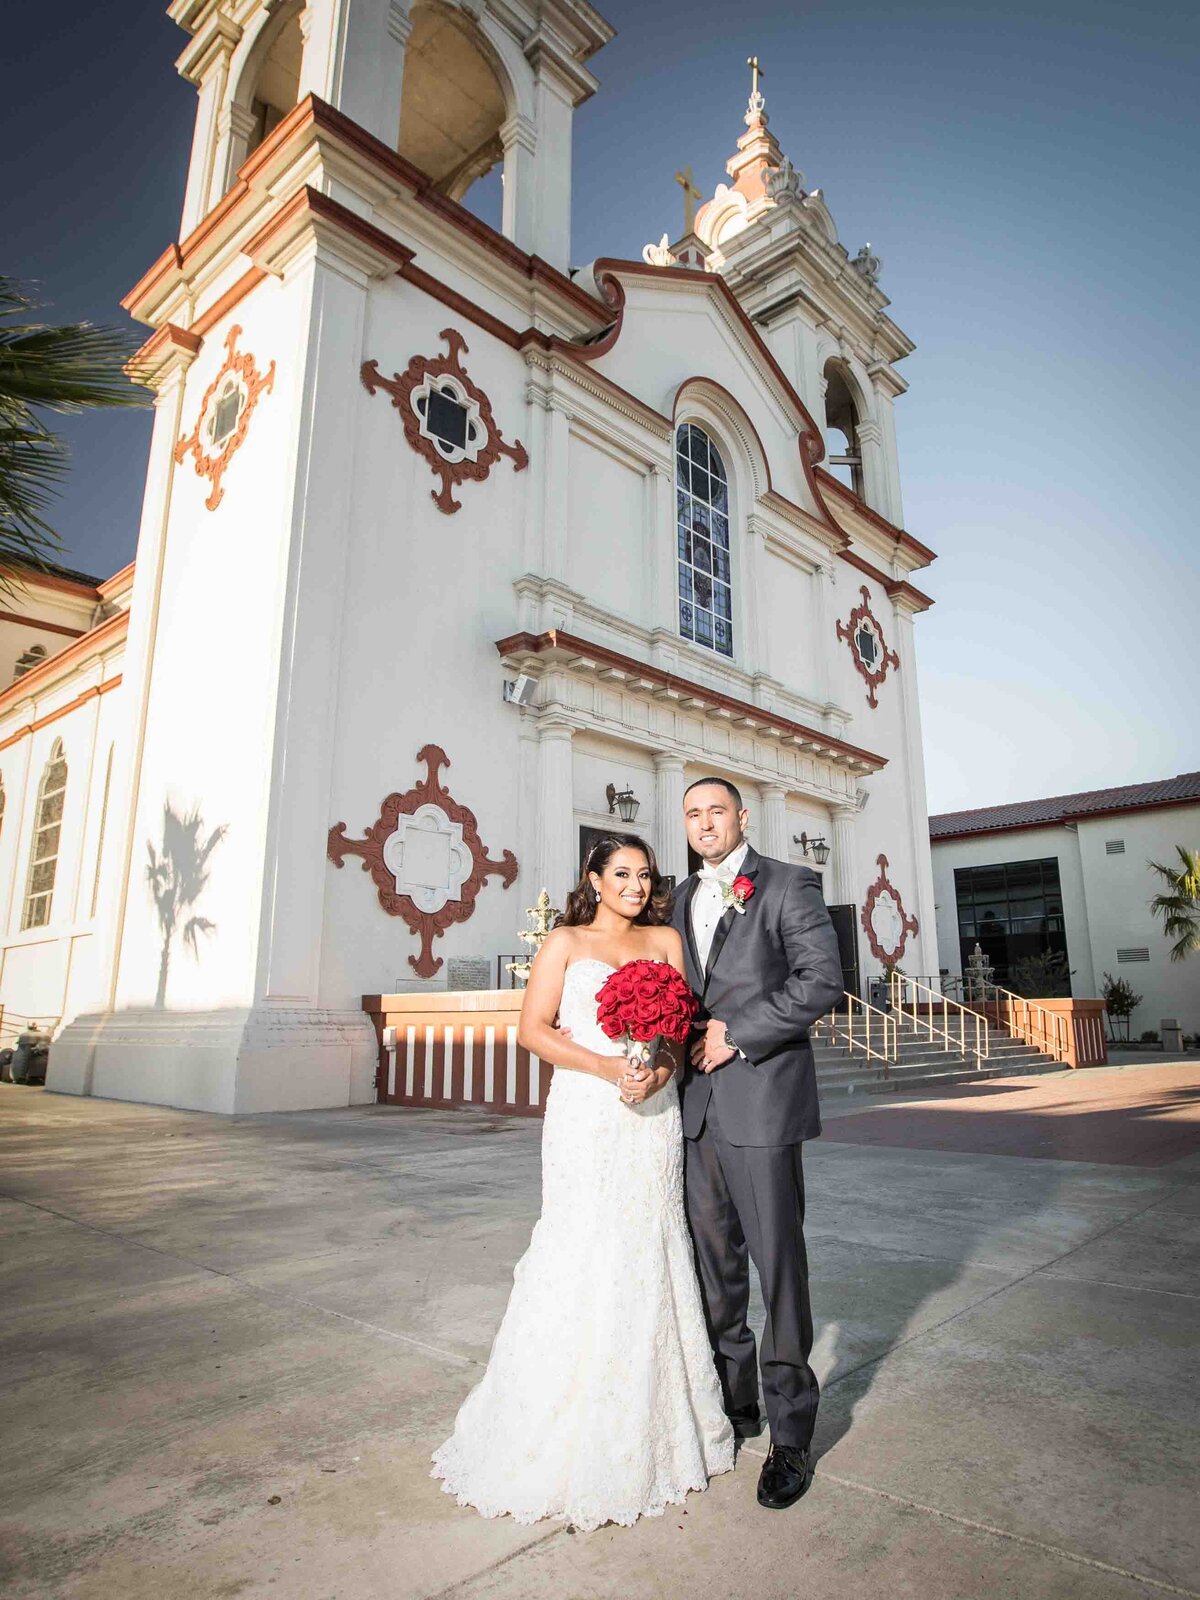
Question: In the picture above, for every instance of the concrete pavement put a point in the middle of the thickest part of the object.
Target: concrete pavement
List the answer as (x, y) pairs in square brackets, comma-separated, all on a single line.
[(229, 1346)]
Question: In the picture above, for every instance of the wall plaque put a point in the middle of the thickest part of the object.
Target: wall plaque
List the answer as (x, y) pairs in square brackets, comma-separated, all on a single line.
[(470, 974), (426, 859)]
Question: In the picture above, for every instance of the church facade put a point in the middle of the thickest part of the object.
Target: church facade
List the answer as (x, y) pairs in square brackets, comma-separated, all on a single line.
[(500, 552)]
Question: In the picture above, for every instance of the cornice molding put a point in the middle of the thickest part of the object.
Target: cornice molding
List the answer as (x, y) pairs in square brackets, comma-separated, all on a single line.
[(903, 541), (559, 647), (311, 130), (217, 36), (98, 641)]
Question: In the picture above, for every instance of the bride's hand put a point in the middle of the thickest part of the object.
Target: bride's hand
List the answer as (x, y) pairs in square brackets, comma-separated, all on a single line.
[(637, 1087)]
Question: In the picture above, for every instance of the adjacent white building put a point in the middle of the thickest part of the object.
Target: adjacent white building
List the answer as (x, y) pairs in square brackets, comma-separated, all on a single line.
[(446, 545), (1073, 874)]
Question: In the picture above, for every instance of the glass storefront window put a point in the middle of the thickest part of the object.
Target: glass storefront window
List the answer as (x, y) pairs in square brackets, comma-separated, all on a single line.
[(1012, 910)]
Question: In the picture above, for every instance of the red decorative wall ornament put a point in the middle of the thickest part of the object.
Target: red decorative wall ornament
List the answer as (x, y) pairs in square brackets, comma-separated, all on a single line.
[(863, 633), (224, 417), (425, 858), (447, 419), (886, 923)]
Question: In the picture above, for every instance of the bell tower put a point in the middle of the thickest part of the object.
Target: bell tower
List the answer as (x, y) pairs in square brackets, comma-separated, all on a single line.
[(321, 231), (822, 312), (454, 87)]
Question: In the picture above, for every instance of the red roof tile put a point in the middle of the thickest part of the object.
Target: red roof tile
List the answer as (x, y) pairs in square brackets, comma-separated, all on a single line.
[(1066, 807)]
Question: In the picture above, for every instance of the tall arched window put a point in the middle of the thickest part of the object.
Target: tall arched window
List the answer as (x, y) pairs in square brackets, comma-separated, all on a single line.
[(47, 831), (702, 518)]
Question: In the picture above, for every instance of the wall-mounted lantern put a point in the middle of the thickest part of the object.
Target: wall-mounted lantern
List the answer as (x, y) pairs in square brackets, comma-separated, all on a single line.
[(817, 848)]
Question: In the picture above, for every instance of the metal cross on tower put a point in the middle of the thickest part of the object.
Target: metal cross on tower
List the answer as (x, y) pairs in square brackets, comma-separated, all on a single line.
[(690, 195)]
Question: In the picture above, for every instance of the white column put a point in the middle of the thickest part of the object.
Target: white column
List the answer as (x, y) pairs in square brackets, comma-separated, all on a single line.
[(556, 511), (519, 136), (354, 59), (73, 1062), (918, 806), (843, 855), (670, 839), (753, 652), (869, 438), (556, 853), (206, 64), (662, 565), (329, 281), (774, 840), (885, 391), (552, 203), (235, 125), (825, 628)]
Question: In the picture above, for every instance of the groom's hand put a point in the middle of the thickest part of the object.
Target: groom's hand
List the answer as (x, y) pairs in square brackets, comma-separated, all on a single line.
[(709, 1050)]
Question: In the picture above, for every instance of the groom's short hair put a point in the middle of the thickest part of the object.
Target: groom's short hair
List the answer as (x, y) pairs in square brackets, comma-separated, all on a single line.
[(734, 792)]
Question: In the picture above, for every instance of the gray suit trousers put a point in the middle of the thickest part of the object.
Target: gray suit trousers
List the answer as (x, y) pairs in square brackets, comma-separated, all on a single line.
[(746, 1203)]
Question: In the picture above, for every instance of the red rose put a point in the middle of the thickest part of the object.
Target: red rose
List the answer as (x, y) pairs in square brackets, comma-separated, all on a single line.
[(743, 887), (645, 999)]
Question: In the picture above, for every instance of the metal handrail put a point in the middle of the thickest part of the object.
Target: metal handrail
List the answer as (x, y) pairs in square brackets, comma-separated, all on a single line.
[(872, 1021), (16, 1022), (1054, 1040), (958, 1021)]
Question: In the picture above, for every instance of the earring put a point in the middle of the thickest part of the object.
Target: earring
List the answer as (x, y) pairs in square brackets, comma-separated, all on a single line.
[(596, 892)]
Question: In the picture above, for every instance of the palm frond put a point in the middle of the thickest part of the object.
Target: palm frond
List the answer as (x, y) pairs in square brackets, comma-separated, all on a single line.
[(65, 369), (1179, 907)]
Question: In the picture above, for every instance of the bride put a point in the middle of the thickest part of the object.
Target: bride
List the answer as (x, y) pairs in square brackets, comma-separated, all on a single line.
[(600, 1402)]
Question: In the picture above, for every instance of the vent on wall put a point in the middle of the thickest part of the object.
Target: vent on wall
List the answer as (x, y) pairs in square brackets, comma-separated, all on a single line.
[(1114, 847), (1140, 953)]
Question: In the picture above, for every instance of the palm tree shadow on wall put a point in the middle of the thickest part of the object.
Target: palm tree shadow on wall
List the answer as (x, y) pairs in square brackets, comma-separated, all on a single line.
[(177, 875)]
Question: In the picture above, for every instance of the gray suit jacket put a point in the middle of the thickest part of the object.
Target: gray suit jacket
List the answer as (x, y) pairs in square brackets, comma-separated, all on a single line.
[(773, 969)]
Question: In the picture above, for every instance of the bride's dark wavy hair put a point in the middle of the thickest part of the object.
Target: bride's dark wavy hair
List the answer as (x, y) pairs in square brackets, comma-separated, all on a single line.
[(581, 902)]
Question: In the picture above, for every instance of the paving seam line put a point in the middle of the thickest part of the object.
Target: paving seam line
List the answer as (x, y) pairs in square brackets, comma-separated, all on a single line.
[(1131, 1288), (1160, 1584), (1003, 1288), (460, 1583), (256, 1290)]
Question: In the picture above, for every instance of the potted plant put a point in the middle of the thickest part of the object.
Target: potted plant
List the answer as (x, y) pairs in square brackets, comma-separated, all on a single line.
[(1120, 1002)]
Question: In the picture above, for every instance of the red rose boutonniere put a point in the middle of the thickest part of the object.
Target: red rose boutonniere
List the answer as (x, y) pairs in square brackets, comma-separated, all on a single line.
[(736, 894)]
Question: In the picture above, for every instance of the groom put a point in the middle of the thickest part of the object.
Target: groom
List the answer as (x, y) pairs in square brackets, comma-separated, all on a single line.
[(762, 956)]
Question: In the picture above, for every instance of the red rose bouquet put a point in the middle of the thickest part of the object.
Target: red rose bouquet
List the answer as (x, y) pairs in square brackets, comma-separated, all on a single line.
[(644, 1001)]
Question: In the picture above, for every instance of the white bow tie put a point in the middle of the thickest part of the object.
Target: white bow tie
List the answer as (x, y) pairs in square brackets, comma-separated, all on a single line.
[(721, 874)]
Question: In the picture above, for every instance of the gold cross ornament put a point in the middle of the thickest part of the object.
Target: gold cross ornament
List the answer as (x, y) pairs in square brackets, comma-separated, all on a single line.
[(690, 195), (756, 72)]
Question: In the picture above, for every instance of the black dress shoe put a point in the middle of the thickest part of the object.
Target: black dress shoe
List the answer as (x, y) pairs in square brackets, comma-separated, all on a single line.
[(784, 1477), (747, 1424)]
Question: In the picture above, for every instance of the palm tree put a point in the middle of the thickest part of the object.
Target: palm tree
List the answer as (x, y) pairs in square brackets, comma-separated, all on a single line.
[(178, 876), (1179, 908), (64, 369)]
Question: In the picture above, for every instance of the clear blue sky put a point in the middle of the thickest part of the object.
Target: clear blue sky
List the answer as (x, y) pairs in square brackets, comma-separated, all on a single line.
[(1028, 175)]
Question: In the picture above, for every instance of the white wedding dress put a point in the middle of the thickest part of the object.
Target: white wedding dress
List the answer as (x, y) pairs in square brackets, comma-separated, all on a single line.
[(600, 1402)]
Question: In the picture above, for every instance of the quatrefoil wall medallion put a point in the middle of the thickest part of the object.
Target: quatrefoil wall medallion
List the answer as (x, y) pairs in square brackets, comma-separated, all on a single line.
[(885, 922), (224, 416), (425, 858), (864, 634), (447, 419)]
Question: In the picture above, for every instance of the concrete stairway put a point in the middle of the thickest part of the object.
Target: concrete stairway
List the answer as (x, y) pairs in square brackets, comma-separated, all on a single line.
[(922, 1065)]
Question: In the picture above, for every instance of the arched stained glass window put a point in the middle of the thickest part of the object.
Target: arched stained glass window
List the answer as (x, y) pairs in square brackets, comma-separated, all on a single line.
[(702, 530), (47, 831)]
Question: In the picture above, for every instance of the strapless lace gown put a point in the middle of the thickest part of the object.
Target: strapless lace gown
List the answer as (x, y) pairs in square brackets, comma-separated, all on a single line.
[(600, 1402)]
